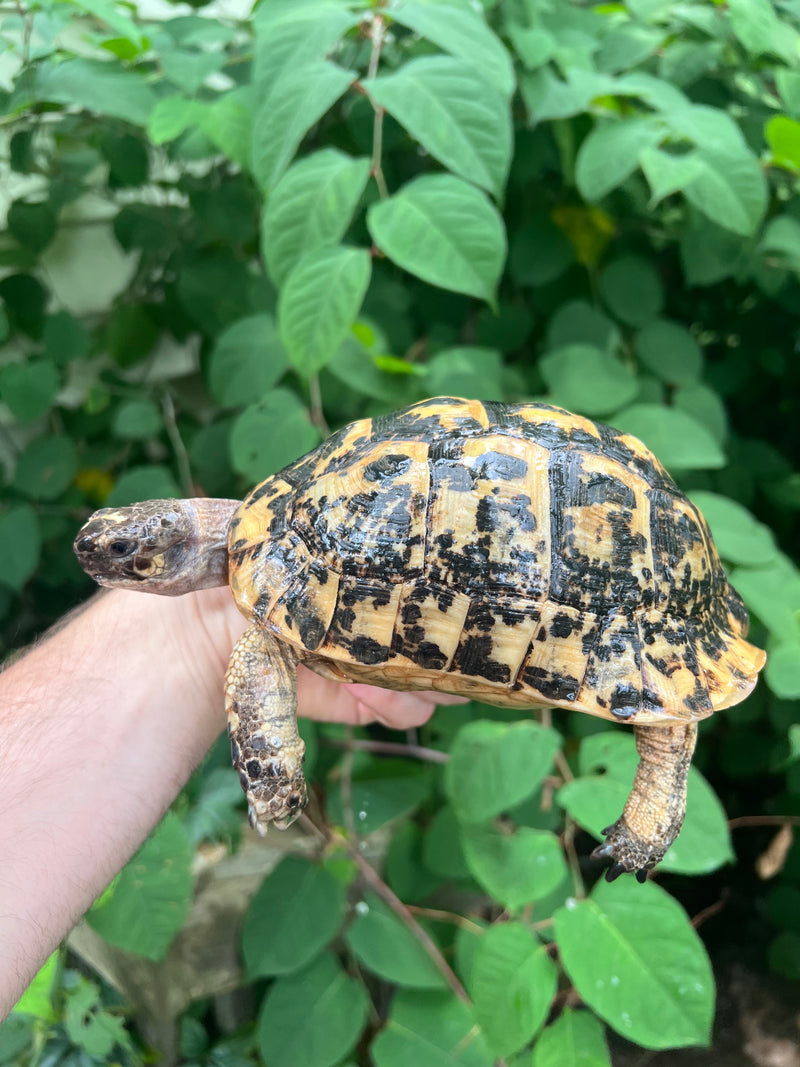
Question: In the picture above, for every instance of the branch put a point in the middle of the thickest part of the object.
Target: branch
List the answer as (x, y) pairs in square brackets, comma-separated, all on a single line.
[(390, 748)]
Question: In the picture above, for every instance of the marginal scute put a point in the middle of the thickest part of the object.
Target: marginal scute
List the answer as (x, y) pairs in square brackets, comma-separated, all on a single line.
[(515, 553)]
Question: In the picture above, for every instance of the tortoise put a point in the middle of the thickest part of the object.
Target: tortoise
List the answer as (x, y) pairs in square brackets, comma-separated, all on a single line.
[(518, 554)]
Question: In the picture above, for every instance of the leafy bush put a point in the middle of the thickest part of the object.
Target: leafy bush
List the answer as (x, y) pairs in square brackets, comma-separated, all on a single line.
[(226, 236)]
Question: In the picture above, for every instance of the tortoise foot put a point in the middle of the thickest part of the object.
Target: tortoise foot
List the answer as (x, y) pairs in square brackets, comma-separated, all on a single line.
[(629, 852), (277, 802)]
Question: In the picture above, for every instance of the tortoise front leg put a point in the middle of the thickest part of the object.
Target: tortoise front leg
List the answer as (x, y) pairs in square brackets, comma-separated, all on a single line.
[(261, 701), (653, 813)]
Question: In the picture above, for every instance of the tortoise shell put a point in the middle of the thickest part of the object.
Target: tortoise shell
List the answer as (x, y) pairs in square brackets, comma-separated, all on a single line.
[(515, 553)]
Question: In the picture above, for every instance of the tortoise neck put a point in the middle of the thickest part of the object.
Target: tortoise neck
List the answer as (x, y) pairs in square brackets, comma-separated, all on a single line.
[(207, 549)]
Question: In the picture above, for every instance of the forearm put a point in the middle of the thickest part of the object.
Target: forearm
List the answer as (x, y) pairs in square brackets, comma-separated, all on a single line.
[(81, 780)]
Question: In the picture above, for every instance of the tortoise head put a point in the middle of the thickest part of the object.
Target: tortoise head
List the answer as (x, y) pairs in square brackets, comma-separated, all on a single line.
[(161, 546)]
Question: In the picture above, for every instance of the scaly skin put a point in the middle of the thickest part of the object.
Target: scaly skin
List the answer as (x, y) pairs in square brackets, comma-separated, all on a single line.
[(654, 811)]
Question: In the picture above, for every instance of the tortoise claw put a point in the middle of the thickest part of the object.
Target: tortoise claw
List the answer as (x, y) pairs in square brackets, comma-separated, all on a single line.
[(603, 852), (641, 876), (614, 872)]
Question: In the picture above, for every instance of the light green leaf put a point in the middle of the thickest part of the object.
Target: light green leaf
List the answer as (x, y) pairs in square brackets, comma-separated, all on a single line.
[(761, 31), (311, 1018), (290, 35), (648, 974), (319, 303), (286, 113), (383, 790), (509, 759), (461, 31), (670, 351), (512, 983), (740, 538), (228, 122), (150, 481), (310, 207), (470, 372), (136, 420), (459, 119), (668, 173), (97, 86), (586, 379), (444, 231), (730, 189), (297, 911), (514, 868), (246, 361), (37, 1000), (611, 152), (188, 70), (706, 406), (386, 946), (782, 236), (171, 117), (783, 136), (575, 1039), (113, 17), (430, 1029), (270, 434), (773, 593), (679, 441), (152, 895), (783, 669)]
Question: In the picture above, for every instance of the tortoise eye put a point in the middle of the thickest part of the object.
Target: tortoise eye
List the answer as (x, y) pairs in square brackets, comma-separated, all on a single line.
[(120, 548)]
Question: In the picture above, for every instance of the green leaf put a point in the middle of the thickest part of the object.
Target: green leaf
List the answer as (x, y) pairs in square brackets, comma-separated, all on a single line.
[(97, 86), (632, 289), (430, 1030), (444, 231), (470, 372), (539, 253), (150, 481), (189, 70), (782, 236), (246, 361), (596, 800), (575, 1039), (297, 911), (319, 303), (739, 537), (730, 189), (610, 153), (33, 225), (462, 32), (152, 895), (679, 441), (287, 111), (29, 388), (512, 983), (668, 172), (670, 351), (136, 420), (289, 35), (442, 852), (88, 1026), (462, 121), (228, 122), (270, 434), (114, 18), (310, 208), (508, 759), (758, 27), (773, 593), (783, 136), (312, 1018), (171, 117), (704, 405), (783, 669), (37, 1000), (20, 545), (586, 379), (383, 790), (46, 467), (578, 323), (65, 338), (514, 868), (647, 973), (386, 946)]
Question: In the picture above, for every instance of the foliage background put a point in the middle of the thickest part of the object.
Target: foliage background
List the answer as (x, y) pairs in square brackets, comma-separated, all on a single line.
[(225, 235)]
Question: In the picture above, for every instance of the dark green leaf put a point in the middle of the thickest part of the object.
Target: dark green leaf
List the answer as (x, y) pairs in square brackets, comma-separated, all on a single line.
[(270, 434), (247, 360), (632, 289), (136, 420), (384, 790), (386, 946), (508, 759), (514, 868), (469, 372), (311, 207), (670, 351), (151, 481), (319, 303), (20, 545), (312, 1018), (26, 300), (430, 1030), (297, 911), (445, 232), (46, 467), (460, 120), (152, 896), (30, 388), (647, 973), (512, 982), (33, 225), (679, 441)]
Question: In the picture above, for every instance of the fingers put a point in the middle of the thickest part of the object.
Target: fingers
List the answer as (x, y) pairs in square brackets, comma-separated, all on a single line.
[(328, 701)]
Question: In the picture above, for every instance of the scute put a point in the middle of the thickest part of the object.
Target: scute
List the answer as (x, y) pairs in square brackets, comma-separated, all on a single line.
[(515, 553)]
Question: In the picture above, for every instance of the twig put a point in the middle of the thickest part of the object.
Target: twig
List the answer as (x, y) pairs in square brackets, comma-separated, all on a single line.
[(178, 447), (568, 838), (711, 910), (316, 411), (390, 748), (376, 170), (763, 820), (347, 785), (374, 880), (447, 917)]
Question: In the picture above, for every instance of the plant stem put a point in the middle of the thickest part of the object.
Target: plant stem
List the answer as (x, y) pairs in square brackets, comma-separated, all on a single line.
[(390, 748), (181, 455), (378, 34)]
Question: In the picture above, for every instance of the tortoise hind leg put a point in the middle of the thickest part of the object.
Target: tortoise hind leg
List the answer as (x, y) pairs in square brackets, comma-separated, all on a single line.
[(654, 811), (261, 701)]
